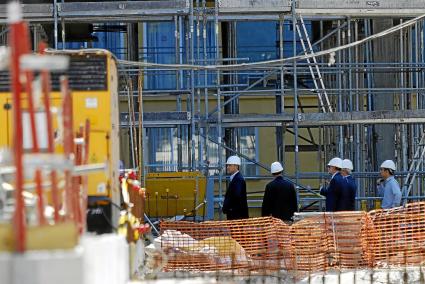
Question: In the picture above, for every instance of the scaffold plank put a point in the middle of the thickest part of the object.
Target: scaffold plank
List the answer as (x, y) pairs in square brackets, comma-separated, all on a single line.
[(126, 11), (31, 12), (325, 119), (122, 8), (259, 6), (362, 8), (157, 119), (117, 10)]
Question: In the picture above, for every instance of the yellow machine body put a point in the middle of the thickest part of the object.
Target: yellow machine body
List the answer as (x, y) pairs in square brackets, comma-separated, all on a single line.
[(170, 194), (98, 105)]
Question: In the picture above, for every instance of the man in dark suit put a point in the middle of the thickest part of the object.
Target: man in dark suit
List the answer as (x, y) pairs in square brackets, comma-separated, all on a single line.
[(336, 185), (235, 204), (348, 196), (280, 198)]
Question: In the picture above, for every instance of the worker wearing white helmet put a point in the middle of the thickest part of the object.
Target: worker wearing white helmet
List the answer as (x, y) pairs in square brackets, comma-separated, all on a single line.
[(336, 185), (280, 198), (388, 188), (235, 204), (347, 167), (348, 197)]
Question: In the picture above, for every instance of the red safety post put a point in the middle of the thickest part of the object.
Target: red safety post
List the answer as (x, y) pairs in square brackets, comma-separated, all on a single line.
[(26, 48), (45, 83), (18, 33), (68, 145), (35, 147)]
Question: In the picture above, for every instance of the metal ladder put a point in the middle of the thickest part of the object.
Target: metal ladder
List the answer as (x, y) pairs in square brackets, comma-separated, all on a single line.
[(315, 72), (414, 168)]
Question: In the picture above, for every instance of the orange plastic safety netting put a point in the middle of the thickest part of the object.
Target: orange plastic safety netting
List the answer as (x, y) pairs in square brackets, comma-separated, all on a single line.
[(254, 243), (397, 236), (352, 240)]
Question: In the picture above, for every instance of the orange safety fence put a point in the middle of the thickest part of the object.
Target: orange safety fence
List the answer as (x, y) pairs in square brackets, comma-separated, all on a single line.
[(398, 235), (340, 240), (242, 244)]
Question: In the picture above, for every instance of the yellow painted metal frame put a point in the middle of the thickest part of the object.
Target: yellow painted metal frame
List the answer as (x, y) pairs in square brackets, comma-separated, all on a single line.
[(174, 193)]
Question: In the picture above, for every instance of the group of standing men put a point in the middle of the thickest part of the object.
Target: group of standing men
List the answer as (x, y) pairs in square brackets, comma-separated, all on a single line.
[(342, 189), (280, 199), (341, 192)]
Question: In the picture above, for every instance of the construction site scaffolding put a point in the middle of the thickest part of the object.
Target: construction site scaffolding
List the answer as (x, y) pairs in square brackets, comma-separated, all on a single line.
[(366, 70)]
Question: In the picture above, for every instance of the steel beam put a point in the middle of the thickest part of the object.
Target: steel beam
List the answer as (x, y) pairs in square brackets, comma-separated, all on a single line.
[(31, 12), (258, 6), (162, 119), (158, 119), (362, 9), (126, 11), (324, 119), (363, 117), (122, 9)]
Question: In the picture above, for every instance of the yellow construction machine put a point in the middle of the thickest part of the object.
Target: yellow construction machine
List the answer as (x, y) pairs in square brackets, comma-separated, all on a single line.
[(93, 81)]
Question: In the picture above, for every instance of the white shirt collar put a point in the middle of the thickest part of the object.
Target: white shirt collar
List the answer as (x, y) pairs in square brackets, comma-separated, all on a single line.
[(233, 175), (334, 175)]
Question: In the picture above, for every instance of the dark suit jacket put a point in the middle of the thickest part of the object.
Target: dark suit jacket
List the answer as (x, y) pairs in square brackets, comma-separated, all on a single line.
[(280, 199), (347, 198), (333, 192), (235, 204)]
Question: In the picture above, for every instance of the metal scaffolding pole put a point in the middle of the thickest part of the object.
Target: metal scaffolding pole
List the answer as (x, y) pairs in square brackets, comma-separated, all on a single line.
[(179, 78), (403, 130), (350, 129), (193, 160), (280, 100), (294, 46), (55, 23), (359, 166), (219, 134), (199, 130), (206, 98), (340, 97)]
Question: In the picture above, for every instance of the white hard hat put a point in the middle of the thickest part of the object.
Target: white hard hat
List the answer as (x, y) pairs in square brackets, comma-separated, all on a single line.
[(233, 160), (276, 167), (388, 164), (335, 162), (347, 164)]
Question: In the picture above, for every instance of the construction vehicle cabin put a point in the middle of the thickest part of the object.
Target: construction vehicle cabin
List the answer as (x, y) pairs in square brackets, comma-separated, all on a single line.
[(93, 80)]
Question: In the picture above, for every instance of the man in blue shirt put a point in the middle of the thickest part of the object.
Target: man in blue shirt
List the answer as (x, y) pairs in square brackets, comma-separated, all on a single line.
[(389, 188), (336, 185), (348, 196)]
